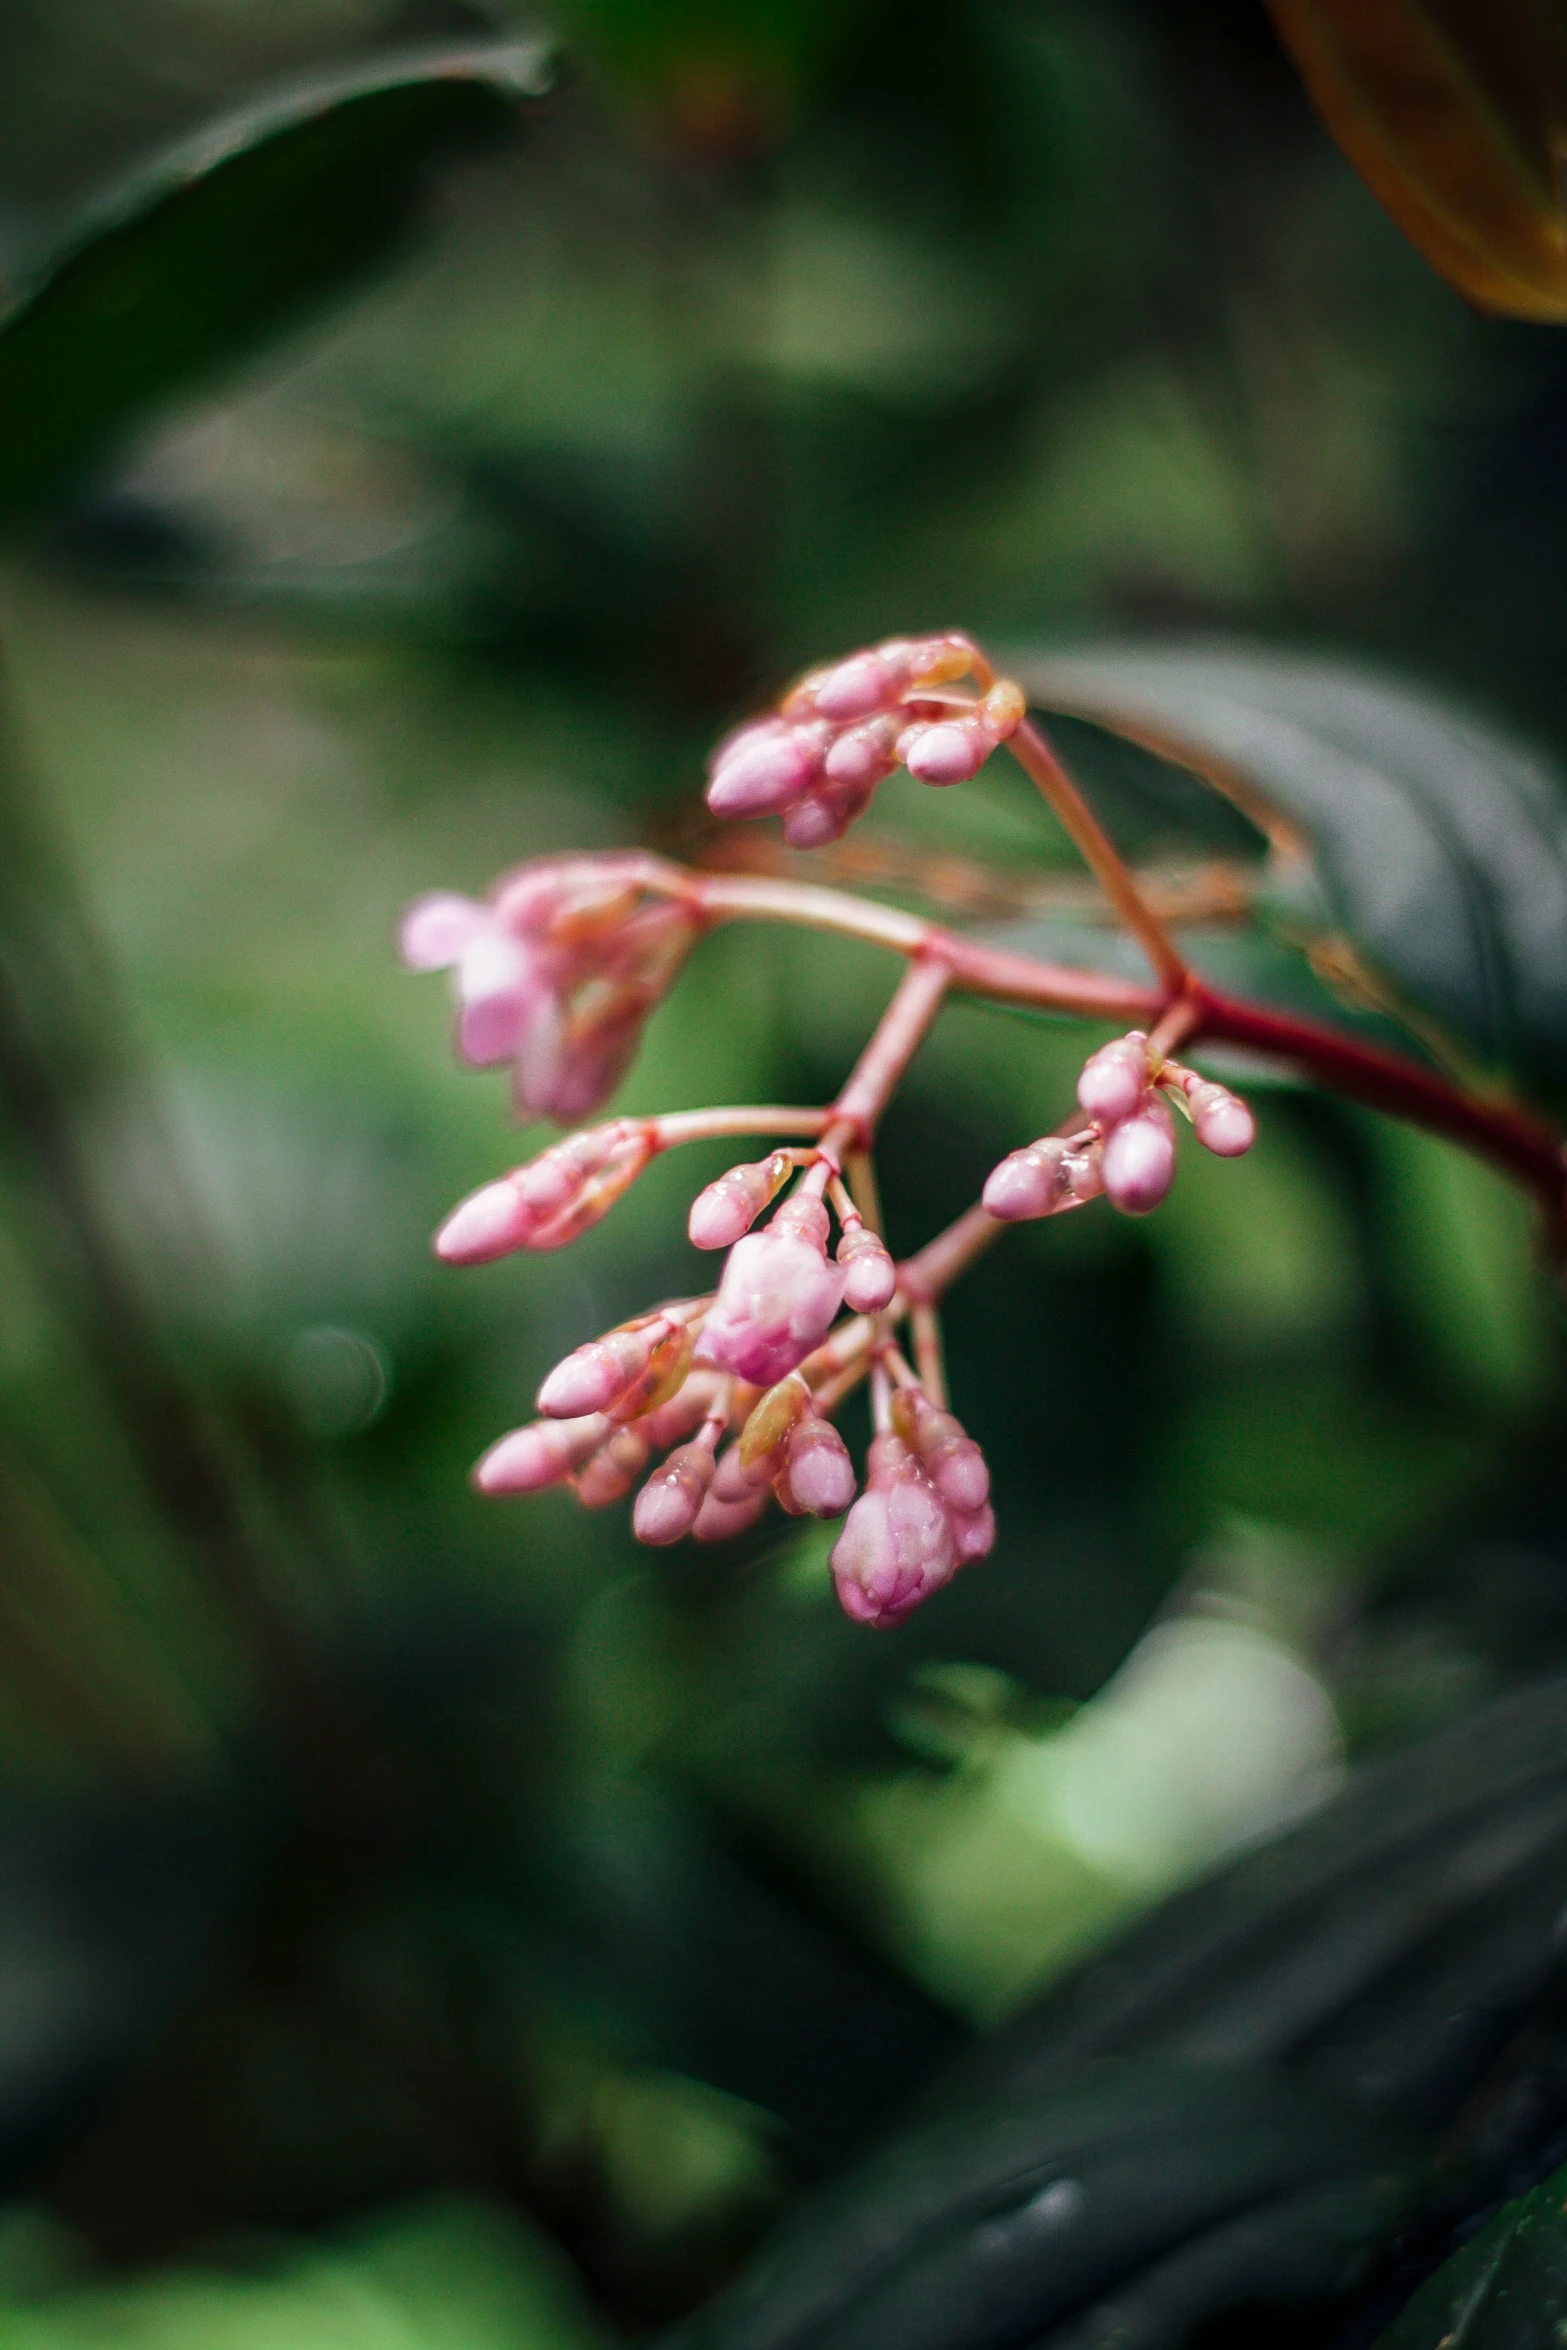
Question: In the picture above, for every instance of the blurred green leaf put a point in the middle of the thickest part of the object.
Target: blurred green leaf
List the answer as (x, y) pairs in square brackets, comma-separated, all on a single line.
[(1505, 2290), (716, 77), (1405, 832), (453, 2276), (1012, 2225), (226, 237)]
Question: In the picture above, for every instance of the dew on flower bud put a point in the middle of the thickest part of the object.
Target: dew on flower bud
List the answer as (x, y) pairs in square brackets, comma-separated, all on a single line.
[(1084, 1173), (777, 1298), (541, 1454), (590, 1379), (614, 1468), (1029, 1183), (1138, 1161), (1115, 1079), (731, 1205), (669, 1503), (896, 1547), (870, 1278), (817, 1478), (1221, 1121), (733, 1503)]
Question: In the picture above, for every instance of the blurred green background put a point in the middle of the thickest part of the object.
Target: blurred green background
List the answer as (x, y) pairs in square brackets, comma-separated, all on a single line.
[(503, 1862)]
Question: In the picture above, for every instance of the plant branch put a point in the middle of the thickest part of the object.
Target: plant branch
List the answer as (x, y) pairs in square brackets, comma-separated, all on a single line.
[(1099, 852)]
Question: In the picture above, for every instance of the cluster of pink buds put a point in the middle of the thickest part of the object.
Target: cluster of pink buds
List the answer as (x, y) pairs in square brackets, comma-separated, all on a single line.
[(714, 1406), (924, 1513), (1127, 1151), (556, 972), (818, 760)]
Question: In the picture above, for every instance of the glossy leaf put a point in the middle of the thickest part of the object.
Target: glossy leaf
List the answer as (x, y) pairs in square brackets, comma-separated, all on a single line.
[(223, 239), (1010, 2226), (1409, 836), (1454, 112), (1506, 2290)]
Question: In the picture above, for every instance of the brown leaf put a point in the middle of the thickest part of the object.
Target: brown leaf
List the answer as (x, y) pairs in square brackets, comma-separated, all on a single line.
[(1454, 112)]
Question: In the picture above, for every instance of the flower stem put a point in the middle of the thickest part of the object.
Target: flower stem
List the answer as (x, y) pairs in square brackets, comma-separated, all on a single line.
[(1099, 852)]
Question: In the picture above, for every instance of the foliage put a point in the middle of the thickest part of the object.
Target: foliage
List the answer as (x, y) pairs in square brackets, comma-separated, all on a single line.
[(407, 1897)]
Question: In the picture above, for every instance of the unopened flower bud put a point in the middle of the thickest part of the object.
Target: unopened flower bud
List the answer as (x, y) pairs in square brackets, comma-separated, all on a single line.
[(870, 1278), (1138, 1161), (1031, 1182), (896, 1547), (1115, 1079), (777, 1298), (866, 682), (973, 1534), (553, 1198), (733, 1503), (731, 1205), (1084, 1172), (613, 1469), (670, 1423), (946, 1452), (1221, 1121), (764, 768), (668, 1504), (542, 1454), (766, 1432), (590, 1379), (863, 757), (439, 928), (949, 752), (817, 1478)]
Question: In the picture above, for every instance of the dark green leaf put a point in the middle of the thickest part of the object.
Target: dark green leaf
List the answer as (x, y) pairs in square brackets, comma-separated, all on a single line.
[(992, 2230), (225, 238), (1507, 2290), (1437, 847)]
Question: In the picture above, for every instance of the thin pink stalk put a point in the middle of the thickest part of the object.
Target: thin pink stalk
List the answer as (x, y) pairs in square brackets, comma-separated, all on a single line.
[(902, 1027), (1098, 851), (679, 1126)]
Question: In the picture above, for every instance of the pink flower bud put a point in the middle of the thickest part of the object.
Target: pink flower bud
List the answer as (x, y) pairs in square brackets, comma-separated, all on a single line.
[(1221, 1120), (973, 1535), (613, 1469), (733, 1503), (1029, 1183), (948, 1455), (731, 1205), (1138, 1162), (530, 1458), (777, 1298), (896, 1547), (864, 683), (764, 768), (826, 814), (590, 1379), (669, 1503), (863, 757), (1084, 1172), (669, 1423), (870, 1276), (817, 1479), (949, 752), (549, 1201), (438, 930), (1115, 1079)]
